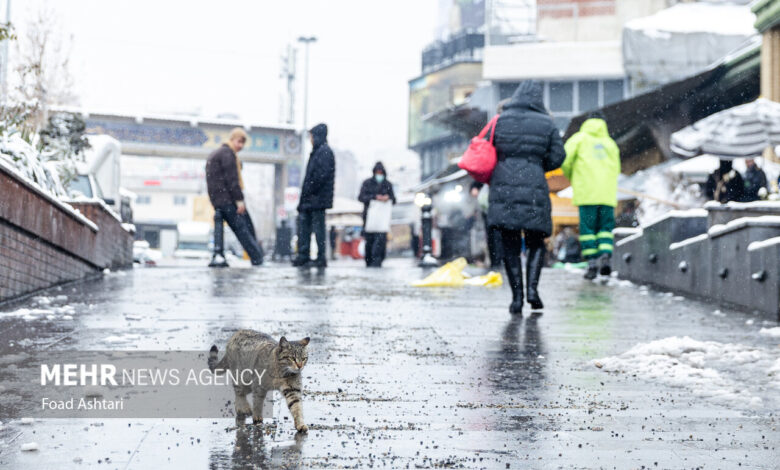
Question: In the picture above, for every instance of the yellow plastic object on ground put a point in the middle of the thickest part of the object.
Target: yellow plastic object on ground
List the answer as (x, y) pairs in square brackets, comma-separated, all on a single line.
[(491, 279), (451, 275)]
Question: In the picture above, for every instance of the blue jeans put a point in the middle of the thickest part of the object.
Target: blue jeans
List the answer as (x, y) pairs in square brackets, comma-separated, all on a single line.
[(238, 224)]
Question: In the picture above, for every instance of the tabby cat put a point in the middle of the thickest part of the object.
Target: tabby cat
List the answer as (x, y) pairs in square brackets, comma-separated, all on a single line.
[(278, 364)]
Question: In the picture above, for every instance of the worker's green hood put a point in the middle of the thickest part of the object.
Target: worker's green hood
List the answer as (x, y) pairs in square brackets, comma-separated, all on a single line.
[(595, 127)]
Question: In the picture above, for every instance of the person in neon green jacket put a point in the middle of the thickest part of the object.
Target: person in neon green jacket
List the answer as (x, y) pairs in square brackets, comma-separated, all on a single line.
[(592, 165)]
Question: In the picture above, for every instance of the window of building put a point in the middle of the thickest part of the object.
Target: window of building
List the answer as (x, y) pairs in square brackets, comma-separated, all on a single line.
[(143, 200), (561, 96), (613, 91), (588, 95), (179, 200)]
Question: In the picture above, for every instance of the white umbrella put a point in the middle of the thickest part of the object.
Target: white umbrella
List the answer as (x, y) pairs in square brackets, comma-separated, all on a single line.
[(741, 132)]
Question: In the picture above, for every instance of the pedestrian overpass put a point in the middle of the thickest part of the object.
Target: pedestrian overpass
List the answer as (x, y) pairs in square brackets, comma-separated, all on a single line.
[(196, 138)]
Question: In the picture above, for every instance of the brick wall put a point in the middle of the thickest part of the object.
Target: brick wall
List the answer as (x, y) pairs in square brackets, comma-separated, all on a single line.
[(113, 244), (28, 263), (44, 244)]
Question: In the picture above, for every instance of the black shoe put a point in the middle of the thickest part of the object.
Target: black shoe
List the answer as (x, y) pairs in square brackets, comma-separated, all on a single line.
[(591, 273), (300, 262), (516, 307), (320, 263), (605, 270), (218, 261)]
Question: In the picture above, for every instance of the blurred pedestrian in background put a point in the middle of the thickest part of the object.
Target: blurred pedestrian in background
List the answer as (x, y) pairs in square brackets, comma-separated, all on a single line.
[(725, 184), (376, 188), (756, 186), (527, 145), (593, 165), (316, 196), (225, 188), (481, 192), (334, 237)]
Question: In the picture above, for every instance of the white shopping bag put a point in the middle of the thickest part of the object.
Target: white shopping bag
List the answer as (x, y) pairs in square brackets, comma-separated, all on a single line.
[(378, 216)]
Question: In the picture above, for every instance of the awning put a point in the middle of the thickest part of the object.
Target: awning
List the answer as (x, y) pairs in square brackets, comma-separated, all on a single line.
[(451, 173), (647, 121)]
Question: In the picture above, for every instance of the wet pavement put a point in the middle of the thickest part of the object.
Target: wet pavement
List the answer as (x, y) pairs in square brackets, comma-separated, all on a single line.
[(403, 377)]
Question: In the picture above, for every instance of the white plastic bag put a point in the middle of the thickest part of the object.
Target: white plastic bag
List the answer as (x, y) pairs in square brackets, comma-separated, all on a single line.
[(378, 216)]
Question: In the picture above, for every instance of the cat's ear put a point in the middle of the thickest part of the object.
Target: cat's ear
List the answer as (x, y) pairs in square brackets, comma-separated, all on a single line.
[(305, 341), (283, 343)]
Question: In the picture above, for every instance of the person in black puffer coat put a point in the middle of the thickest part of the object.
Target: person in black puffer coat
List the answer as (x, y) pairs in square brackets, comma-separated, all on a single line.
[(316, 196), (527, 145), (379, 188)]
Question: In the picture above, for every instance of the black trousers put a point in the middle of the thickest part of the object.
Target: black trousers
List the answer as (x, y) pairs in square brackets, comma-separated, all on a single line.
[(512, 242), (311, 222), (238, 224), (376, 248)]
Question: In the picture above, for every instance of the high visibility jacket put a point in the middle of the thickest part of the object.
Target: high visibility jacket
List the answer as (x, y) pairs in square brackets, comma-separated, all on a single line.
[(592, 165)]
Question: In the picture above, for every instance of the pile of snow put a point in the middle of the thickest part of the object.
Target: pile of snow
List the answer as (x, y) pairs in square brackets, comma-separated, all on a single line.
[(730, 374), (771, 332), (46, 307)]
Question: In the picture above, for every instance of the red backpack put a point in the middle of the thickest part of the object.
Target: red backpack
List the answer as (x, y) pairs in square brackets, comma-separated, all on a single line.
[(480, 158)]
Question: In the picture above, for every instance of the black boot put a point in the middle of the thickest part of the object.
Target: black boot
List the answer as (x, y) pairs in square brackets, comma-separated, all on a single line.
[(605, 267), (593, 270), (533, 270), (514, 272)]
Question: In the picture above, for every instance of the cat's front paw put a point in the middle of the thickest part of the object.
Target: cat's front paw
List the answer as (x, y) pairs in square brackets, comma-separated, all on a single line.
[(303, 429)]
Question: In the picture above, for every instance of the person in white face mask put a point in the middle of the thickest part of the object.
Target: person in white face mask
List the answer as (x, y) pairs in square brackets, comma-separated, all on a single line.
[(380, 189)]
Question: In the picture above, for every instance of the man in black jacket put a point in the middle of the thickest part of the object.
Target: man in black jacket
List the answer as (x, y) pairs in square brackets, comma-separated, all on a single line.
[(316, 196), (225, 188), (375, 188)]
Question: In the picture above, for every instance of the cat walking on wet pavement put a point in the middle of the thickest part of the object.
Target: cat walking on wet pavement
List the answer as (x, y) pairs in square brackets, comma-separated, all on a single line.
[(527, 145), (275, 365)]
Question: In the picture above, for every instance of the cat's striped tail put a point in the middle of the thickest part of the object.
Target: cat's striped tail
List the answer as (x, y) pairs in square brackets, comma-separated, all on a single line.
[(219, 366)]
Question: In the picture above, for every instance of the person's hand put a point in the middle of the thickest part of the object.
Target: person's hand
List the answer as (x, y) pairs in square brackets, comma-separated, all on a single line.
[(240, 207), (381, 197)]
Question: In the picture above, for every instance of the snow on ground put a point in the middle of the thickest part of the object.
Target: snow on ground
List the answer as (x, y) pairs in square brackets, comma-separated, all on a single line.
[(708, 369), (49, 308), (773, 332)]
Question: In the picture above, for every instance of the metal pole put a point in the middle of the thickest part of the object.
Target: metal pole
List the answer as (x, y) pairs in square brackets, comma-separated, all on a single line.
[(427, 259), (306, 41)]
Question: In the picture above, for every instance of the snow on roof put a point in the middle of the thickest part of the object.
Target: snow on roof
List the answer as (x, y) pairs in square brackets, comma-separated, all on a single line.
[(631, 238), (689, 241), (726, 19), (755, 246), (744, 205), (762, 221), (678, 214)]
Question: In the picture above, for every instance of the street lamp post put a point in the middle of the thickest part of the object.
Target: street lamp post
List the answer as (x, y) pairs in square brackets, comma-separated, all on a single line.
[(306, 41)]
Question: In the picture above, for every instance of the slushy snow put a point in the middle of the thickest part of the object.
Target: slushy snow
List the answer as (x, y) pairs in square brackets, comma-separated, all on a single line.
[(711, 370)]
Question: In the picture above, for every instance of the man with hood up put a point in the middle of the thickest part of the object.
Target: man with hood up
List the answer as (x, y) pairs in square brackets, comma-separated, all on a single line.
[(316, 196), (375, 188), (592, 165)]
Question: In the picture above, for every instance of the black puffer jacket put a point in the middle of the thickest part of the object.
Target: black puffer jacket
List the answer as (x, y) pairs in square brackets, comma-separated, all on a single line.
[(317, 190), (528, 145)]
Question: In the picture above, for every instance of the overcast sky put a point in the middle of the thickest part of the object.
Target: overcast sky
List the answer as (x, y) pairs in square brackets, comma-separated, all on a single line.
[(153, 56)]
